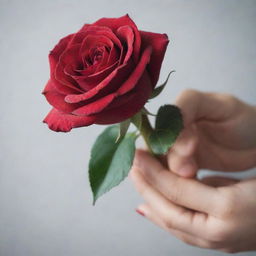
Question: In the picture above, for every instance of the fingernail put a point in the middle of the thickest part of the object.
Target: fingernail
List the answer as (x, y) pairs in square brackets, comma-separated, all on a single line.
[(140, 212)]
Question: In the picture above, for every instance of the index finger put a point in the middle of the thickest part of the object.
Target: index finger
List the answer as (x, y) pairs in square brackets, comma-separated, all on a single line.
[(197, 105), (172, 216), (188, 193)]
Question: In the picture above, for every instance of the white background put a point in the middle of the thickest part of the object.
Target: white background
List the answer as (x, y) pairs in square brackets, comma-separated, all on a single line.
[(45, 200)]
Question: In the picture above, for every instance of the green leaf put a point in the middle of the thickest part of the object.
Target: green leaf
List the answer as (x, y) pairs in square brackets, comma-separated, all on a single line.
[(160, 88), (123, 128), (167, 128), (110, 161)]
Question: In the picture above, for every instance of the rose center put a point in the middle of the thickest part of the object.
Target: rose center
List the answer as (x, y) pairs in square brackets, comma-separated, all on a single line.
[(96, 55)]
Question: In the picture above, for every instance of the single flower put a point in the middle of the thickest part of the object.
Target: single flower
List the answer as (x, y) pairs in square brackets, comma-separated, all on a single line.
[(102, 74)]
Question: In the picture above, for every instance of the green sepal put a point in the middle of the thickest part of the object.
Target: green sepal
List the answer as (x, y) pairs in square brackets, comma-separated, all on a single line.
[(146, 112), (160, 88), (123, 128)]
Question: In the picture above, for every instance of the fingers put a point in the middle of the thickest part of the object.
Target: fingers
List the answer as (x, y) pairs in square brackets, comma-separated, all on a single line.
[(172, 216), (188, 193), (218, 181), (186, 142), (151, 215), (181, 157), (196, 105), (225, 159)]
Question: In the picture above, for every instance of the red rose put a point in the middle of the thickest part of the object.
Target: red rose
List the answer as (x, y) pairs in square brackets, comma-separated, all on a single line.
[(103, 74)]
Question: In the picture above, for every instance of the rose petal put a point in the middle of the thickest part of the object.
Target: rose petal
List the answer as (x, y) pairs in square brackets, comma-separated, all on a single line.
[(61, 88), (113, 56), (104, 59), (56, 99), (133, 78), (159, 44), (69, 57), (57, 51), (54, 56), (115, 23), (95, 30), (93, 37), (127, 105), (131, 82), (108, 85), (62, 122), (104, 31), (125, 33), (87, 70), (90, 81), (96, 106), (77, 39), (93, 41)]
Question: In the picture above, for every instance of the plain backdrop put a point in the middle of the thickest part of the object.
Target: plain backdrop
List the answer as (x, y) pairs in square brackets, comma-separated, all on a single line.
[(45, 201)]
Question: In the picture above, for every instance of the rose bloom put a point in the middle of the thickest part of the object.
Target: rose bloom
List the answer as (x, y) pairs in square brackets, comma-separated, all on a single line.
[(103, 74)]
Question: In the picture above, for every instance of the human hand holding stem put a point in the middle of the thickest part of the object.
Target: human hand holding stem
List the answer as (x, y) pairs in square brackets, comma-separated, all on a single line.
[(215, 212), (110, 164)]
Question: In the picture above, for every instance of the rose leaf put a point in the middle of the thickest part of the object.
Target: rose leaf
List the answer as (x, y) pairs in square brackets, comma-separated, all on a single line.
[(168, 126), (110, 160)]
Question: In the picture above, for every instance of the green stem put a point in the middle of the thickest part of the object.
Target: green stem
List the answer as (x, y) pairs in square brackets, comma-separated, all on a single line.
[(145, 129)]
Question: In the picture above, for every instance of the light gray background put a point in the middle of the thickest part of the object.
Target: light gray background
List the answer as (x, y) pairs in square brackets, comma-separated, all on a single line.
[(45, 201)]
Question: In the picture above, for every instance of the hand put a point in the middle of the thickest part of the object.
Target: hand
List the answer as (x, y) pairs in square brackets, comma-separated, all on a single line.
[(221, 216), (219, 134)]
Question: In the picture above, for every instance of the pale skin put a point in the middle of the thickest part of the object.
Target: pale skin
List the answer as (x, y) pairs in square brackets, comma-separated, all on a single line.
[(215, 212)]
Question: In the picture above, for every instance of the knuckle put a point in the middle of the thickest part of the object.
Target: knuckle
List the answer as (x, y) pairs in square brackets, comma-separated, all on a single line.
[(186, 240), (222, 96), (228, 205), (142, 190), (229, 97), (220, 233), (230, 100), (168, 223), (175, 192), (187, 93)]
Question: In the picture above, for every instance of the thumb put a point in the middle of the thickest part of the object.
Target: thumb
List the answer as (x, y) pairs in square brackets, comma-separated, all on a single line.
[(145, 163), (197, 105)]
